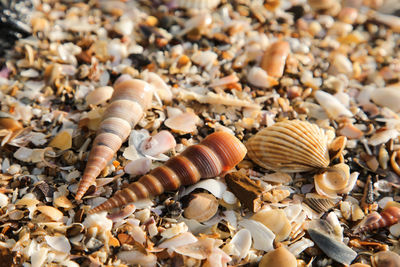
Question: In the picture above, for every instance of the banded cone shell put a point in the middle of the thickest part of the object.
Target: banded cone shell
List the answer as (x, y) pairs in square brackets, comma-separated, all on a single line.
[(129, 100), (215, 155), (388, 217), (290, 146)]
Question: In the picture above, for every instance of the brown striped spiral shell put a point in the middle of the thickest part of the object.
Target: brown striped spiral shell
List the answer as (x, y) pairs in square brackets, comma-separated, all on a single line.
[(129, 100), (387, 217), (216, 154)]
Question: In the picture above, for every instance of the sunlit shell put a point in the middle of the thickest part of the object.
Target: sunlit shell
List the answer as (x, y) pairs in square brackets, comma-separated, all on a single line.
[(99, 95), (335, 180), (277, 258), (318, 203), (53, 213), (202, 207), (276, 221), (385, 258), (198, 4), (290, 146)]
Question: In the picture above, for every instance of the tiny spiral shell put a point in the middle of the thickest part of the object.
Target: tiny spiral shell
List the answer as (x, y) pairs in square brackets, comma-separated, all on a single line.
[(129, 100), (388, 217), (215, 155)]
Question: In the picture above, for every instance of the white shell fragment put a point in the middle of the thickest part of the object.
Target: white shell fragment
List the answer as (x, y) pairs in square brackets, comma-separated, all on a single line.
[(332, 105), (259, 77), (136, 257), (180, 240), (59, 243), (263, 238), (242, 243), (183, 123)]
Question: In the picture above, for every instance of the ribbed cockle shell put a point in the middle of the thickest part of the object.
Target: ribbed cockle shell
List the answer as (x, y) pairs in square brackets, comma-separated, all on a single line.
[(130, 99), (215, 155), (290, 146)]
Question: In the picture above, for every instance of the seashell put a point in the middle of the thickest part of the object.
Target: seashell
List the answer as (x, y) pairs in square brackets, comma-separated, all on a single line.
[(290, 146), (335, 180), (332, 248), (198, 4), (59, 243), (276, 221), (63, 140), (201, 207), (242, 243), (53, 213), (161, 87), (16, 215), (274, 58), (130, 98), (277, 258), (135, 257), (336, 147), (158, 144), (63, 202), (360, 265), (180, 240), (382, 137), (138, 167), (332, 105), (259, 77), (263, 237), (3, 200), (216, 154), (99, 95), (388, 217), (319, 203), (183, 123), (385, 258), (299, 246), (387, 97)]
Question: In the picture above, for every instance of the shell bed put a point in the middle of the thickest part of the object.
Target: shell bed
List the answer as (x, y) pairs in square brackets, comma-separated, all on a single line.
[(146, 97)]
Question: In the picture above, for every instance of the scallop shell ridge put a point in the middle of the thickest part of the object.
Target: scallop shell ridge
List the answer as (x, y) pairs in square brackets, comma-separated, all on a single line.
[(290, 146)]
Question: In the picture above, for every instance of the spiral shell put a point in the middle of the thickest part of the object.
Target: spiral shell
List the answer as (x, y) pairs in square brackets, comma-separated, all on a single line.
[(290, 146), (388, 217), (215, 155), (129, 100)]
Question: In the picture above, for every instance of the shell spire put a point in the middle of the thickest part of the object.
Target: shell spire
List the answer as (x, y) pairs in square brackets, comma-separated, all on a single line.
[(128, 102), (388, 217), (215, 155)]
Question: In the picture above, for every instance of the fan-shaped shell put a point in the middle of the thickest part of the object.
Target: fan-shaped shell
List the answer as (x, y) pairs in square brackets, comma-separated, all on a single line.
[(290, 146)]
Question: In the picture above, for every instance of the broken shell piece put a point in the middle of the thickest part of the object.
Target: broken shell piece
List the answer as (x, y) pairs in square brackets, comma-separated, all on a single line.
[(158, 144), (183, 123), (161, 87), (201, 207), (387, 97), (242, 243), (135, 257), (198, 4), (277, 258), (276, 221), (99, 95), (335, 180), (180, 240), (59, 243), (382, 137), (137, 167), (259, 77), (262, 236), (336, 147), (332, 105), (63, 140), (319, 203), (385, 258), (332, 248), (53, 213), (290, 146), (274, 58)]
